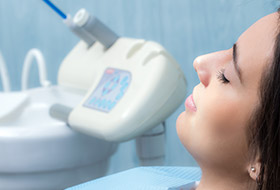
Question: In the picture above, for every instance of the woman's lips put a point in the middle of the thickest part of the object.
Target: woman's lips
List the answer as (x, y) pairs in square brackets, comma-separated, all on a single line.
[(189, 103)]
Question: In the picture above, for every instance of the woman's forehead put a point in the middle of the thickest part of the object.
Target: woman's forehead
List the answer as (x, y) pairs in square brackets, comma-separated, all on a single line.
[(256, 46)]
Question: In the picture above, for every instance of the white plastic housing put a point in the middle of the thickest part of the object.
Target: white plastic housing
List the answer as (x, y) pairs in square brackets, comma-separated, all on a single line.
[(157, 87), (80, 67)]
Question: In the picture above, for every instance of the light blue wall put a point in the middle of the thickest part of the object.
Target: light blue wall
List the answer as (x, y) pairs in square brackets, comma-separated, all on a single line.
[(187, 28)]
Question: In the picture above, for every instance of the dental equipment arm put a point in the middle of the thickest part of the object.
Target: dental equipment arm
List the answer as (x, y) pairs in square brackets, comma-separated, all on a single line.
[(60, 112), (87, 27)]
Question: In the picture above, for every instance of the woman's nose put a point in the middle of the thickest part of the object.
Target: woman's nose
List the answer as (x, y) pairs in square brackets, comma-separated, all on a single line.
[(207, 65), (202, 67)]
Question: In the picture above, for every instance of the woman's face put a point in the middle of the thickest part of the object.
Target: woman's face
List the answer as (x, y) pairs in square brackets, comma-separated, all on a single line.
[(214, 126)]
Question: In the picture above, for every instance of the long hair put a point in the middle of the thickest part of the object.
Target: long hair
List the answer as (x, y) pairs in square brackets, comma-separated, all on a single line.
[(265, 136)]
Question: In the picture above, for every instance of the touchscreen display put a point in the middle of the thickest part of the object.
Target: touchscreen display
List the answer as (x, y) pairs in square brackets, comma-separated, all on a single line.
[(110, 90)]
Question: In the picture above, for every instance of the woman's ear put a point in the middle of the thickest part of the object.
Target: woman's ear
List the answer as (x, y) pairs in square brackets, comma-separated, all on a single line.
[(254, 170)]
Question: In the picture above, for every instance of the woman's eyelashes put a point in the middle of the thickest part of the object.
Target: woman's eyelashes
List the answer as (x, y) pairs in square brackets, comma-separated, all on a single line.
[(221, 77)]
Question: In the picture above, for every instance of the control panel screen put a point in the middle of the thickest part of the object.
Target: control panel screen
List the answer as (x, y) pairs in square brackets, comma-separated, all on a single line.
[(109, 91)]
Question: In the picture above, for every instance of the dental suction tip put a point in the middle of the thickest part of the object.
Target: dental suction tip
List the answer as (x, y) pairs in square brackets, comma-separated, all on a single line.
[(57, 10)]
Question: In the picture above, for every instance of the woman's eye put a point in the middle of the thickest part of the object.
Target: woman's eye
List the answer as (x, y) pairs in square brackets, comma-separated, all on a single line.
[(221, 77)]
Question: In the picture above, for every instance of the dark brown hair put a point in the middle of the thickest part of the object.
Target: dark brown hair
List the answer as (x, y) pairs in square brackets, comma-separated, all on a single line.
[(265, 139)]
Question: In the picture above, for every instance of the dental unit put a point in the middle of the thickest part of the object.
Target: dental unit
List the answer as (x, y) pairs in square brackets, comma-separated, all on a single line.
[(133, 85), (110, 89)]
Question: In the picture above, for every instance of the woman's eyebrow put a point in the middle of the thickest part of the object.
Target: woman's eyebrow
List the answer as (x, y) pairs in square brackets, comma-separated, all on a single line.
[(235, 63)]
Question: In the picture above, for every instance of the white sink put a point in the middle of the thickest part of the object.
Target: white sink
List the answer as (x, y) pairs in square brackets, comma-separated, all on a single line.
[(39, 152)]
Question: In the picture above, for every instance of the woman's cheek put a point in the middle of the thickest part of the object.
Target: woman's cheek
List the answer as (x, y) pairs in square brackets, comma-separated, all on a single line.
[(220, 115)]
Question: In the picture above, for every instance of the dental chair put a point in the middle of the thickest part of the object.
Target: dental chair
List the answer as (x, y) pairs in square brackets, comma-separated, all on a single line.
[(110, 89)]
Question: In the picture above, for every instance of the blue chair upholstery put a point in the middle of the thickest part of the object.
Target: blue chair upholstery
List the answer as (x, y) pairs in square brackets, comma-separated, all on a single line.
[(147, 178)]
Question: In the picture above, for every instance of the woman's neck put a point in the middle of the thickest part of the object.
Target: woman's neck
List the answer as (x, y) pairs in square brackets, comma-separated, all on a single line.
[(224, 180)]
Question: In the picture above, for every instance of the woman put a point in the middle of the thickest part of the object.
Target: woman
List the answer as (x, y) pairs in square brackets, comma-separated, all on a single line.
[(231, 124)]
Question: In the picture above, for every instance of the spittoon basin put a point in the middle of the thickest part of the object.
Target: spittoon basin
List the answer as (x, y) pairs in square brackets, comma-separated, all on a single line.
[(39, 152)]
